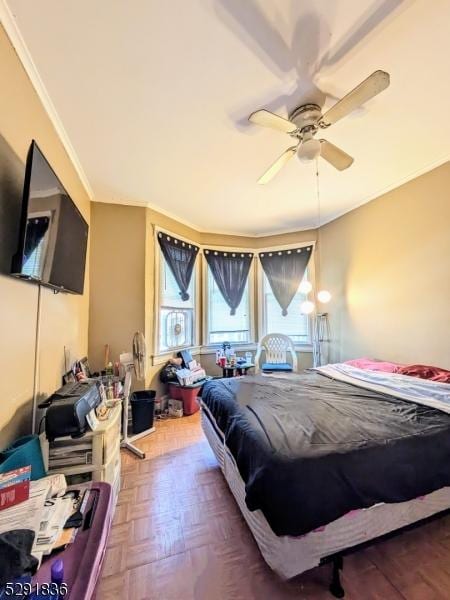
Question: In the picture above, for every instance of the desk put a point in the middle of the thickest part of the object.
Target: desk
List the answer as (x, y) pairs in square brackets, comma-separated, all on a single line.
[(237, 370)]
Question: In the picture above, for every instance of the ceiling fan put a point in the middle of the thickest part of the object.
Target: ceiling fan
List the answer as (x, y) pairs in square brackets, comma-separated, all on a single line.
[(306, 120)]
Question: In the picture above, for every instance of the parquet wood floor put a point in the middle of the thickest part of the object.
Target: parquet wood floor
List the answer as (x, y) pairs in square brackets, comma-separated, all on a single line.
[(178, 535)]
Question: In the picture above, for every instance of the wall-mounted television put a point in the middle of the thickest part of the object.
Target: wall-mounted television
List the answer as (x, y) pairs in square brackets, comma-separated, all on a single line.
[(53, 233)]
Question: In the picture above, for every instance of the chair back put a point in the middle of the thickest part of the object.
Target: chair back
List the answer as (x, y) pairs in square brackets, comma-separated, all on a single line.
[(276, 347)]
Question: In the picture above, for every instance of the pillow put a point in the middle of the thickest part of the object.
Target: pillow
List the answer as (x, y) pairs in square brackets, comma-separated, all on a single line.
[(372, 364), (425, 372)]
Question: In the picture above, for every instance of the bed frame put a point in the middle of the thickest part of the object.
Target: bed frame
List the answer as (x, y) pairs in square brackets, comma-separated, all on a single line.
[(289, 556)]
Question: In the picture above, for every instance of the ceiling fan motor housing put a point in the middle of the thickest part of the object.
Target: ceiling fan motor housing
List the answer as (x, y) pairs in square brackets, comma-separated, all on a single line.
[(306, 117)]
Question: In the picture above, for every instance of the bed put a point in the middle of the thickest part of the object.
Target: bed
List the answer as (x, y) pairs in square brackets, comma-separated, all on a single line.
[(327, 460)]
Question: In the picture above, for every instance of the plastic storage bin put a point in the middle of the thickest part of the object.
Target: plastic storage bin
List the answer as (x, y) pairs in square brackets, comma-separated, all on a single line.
[(175, 391), (142, 410), (189, 397), (23, 452)]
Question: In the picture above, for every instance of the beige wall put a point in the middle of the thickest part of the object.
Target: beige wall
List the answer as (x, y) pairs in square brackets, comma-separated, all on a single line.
[(387, 264), (64, 317), (117, 287)]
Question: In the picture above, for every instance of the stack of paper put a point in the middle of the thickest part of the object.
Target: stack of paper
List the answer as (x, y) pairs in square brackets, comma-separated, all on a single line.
[(66, 456), (43, 513), (52, 522)]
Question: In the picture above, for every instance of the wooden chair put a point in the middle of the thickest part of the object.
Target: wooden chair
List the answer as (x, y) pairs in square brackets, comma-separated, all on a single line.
[(276, 347)]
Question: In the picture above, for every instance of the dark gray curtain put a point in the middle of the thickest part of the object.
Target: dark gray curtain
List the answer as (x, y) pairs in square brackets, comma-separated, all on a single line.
[(180, 256), (230, 272), (284, 270)]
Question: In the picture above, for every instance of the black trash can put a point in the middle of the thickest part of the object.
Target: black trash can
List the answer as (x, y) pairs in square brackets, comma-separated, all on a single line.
[(142, 410)]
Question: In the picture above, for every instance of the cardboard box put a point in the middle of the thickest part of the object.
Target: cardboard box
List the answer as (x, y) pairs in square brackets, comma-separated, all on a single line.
[(14, 487)]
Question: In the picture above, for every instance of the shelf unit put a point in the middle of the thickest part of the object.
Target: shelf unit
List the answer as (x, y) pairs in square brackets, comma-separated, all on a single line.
[(102, 453)]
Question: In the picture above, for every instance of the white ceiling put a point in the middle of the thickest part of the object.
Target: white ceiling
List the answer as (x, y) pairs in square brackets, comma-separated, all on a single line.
[(154, 97)]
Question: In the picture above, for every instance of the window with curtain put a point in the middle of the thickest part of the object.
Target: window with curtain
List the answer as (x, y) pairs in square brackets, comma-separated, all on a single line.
[(176, 316), (296, 325), (221, 325)]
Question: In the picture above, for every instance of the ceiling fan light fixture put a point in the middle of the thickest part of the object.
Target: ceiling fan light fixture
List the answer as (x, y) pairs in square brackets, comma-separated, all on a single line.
[(308, 150)]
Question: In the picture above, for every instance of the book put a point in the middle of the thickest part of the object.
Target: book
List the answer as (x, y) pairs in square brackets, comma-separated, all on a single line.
[(14, 487)]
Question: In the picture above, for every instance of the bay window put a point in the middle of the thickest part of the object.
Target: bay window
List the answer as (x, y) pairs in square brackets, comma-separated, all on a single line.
[(177, 322)]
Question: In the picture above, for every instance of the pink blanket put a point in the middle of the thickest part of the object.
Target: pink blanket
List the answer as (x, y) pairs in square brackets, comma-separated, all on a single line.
[(372, 364)]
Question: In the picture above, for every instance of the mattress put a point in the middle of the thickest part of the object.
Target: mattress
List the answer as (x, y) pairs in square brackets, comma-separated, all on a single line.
[(364, 438), (289, 556)]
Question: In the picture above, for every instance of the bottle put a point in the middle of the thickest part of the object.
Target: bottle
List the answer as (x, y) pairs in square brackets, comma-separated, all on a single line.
[(57, 576)]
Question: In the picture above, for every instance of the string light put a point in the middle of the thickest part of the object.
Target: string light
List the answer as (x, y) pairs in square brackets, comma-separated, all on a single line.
[(307, 307), (324, 296), (305, 287)]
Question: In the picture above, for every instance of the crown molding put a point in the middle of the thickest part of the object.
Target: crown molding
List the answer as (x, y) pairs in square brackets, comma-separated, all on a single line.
[(12, 30), (173, 216), (381, 192), (198, 229)]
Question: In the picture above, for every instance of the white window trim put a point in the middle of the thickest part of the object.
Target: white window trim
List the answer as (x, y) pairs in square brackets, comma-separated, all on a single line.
[(161, 357), (305, 346), (208, 348)]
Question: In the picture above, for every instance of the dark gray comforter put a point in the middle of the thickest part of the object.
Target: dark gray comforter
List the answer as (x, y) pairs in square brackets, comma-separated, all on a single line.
[(310, 448)]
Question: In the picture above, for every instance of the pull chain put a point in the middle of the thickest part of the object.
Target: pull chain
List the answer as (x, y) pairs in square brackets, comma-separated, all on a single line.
[(318, 216)]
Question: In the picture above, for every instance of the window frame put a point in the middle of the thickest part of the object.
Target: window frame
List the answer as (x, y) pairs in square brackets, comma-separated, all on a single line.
[(161, 356), (251, 298), (262, 320)]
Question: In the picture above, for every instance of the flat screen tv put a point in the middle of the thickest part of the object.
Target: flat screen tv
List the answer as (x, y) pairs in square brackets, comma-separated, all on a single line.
[(53, 234)]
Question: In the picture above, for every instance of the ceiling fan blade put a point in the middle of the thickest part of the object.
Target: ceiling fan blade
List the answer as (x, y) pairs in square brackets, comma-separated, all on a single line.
[(335, 156), (370, 87), (268, 119), (277, 165)]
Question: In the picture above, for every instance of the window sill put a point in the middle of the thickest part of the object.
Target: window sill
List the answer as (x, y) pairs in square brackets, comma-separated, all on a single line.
[(250, 347), (163, 357)]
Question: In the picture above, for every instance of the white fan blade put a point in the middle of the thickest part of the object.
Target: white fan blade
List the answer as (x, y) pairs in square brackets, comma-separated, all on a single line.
[(268, 119), (370, 87), (335, 156), (277, 165)]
